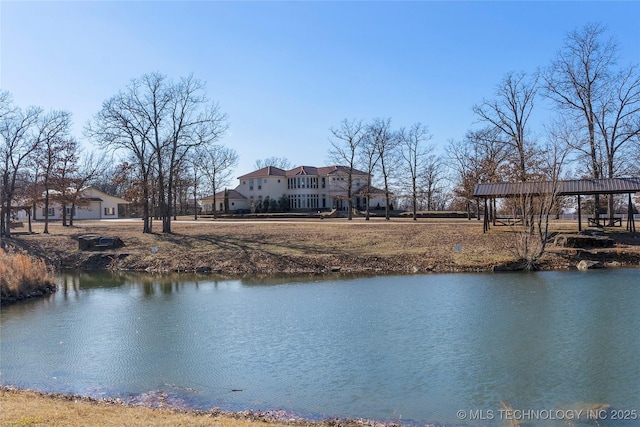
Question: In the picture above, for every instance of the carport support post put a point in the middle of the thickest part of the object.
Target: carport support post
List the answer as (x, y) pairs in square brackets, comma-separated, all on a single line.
[(486, 217), (579, 215), (631, 222)]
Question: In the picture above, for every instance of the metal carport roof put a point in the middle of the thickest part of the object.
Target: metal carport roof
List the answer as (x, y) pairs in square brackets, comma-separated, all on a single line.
[(572, 187)]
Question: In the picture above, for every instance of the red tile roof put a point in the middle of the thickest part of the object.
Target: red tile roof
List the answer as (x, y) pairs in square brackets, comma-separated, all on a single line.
[(300, 170), (266, 171)]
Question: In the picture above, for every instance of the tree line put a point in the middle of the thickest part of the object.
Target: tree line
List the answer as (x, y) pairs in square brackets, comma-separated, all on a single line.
[(167, 136)]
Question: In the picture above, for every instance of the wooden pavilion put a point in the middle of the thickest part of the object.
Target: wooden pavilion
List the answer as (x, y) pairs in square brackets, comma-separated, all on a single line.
[(575, 187)]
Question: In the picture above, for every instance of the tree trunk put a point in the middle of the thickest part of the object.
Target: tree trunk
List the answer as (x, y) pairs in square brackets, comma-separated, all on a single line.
[(46, 211)]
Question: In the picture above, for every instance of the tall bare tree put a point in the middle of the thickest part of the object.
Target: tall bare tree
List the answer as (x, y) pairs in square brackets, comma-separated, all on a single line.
[(618, 121), (159, 121), (368, 158), (509, 113), (55, 154), (346, 141), (386, 143), (119, 127), (578, 81), (416, 156), (19, 138)]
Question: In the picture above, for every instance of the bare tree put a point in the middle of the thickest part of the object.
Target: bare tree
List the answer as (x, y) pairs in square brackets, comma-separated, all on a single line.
[(55, 154), (431, 177), (160, 122), (346, 141), (461, 159), (275, 161), (217, 165), (118, 127), (386, 144), (618, 120), (417, 161), (368, 158), (537, 204), (578, 81), (479, 158), (18, 140), (86, 170), (509, 113)]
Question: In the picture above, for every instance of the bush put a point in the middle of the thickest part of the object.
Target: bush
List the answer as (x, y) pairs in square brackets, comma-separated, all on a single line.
[(23, 275)]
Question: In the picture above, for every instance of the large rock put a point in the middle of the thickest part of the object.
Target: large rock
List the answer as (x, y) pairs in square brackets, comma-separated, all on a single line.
[(588, 265), (583, 241), (92, 242)]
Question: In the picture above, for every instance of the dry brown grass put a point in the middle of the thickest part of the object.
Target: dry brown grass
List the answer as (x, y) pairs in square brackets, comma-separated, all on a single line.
[(276, 247), (22, 275), (294, 247), (26, 408)]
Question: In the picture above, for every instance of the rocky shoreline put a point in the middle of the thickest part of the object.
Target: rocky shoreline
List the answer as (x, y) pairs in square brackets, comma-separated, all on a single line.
[(46, 289)]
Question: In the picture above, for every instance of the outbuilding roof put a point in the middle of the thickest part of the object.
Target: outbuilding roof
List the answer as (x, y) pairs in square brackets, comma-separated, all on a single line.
[(571, 187)]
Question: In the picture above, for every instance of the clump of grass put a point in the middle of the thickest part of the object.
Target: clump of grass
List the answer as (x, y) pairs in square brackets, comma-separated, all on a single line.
[(22, 276), (508, 419)]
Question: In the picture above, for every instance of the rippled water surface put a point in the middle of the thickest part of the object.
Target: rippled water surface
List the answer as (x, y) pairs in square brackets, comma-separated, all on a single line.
[(443, 349)]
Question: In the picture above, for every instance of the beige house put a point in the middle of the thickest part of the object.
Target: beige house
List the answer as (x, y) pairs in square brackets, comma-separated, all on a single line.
[(95, 204), (304, 188), (235, 202)]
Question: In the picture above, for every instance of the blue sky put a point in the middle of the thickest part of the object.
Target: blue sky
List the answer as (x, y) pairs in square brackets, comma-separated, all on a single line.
[(285, 72)]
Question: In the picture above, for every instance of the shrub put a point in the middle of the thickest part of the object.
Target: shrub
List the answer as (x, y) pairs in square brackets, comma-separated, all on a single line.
[(21, 275)]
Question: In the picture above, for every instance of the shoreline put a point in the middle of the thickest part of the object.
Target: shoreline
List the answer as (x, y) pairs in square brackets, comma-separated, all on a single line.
[(258, 248), (56, 405)]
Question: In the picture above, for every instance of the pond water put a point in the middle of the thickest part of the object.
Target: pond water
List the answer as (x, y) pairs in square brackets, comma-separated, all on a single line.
[(442, 349)]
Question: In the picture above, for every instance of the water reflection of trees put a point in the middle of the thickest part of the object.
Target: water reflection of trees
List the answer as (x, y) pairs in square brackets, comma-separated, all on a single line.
[(168, 283)]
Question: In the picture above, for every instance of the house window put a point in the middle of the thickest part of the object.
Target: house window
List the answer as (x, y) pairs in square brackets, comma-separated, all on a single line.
[(70, 210), (323, 182), (251, 184), (259, 183), (48, 212), (109, 211)]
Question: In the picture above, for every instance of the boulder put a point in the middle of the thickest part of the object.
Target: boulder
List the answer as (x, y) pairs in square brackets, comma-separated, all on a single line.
[(583, 241), (90, 242), (588, 265)]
